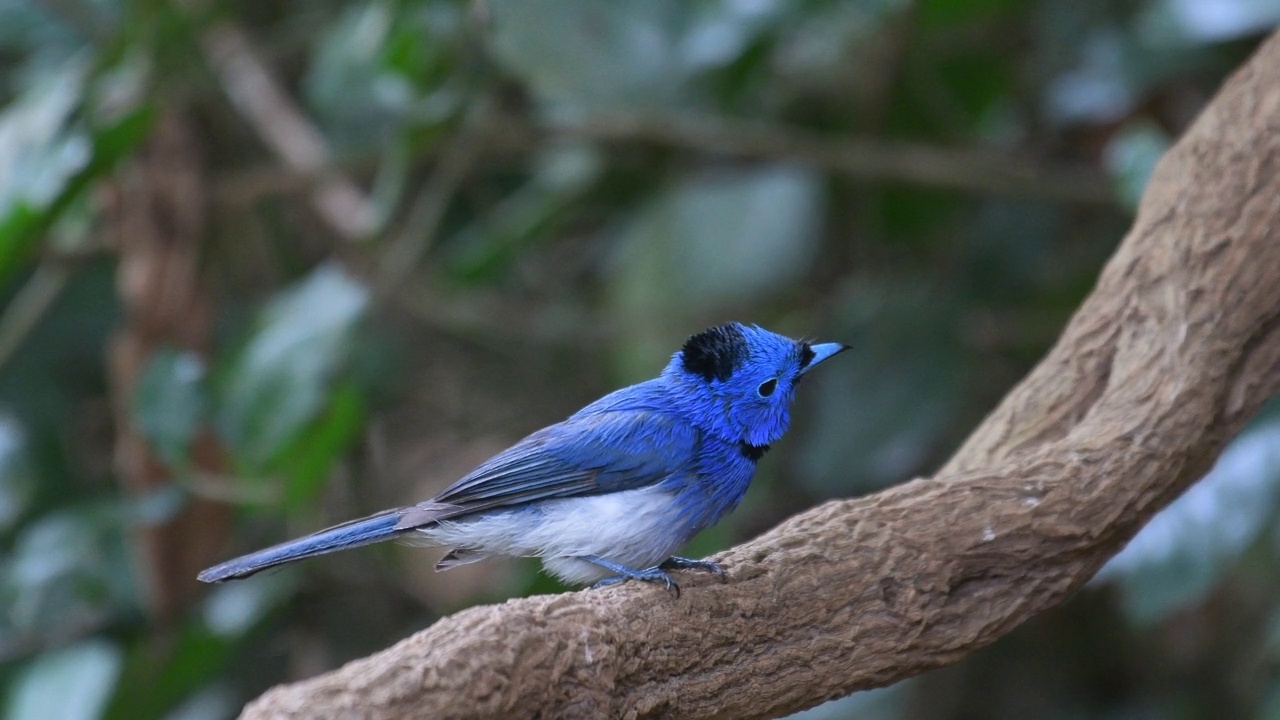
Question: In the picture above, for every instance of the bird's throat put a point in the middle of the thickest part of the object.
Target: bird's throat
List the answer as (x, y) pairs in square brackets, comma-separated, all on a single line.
[(752, 452)]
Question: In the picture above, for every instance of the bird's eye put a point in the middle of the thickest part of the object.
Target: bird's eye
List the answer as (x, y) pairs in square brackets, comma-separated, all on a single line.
[(767, 387)]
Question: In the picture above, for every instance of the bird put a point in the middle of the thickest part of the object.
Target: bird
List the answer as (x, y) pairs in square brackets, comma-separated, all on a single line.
[(611, 493)]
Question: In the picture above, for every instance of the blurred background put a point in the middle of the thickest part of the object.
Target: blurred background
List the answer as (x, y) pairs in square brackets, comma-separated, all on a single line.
[(270, 265)]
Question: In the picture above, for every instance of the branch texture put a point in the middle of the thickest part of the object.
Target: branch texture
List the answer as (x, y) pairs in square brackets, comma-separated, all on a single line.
[(1177, 346)]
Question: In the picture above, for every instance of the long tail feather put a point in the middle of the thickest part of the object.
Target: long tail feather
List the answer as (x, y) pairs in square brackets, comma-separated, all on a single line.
[(355, 533)]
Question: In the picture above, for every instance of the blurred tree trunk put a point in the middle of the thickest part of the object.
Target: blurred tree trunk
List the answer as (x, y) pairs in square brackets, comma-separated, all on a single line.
[(159, 224), (1177, 346)]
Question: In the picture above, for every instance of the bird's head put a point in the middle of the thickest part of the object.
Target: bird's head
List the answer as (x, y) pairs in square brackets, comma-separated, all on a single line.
[(737, 381)]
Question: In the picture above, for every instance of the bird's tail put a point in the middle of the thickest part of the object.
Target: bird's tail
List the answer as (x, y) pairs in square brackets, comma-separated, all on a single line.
[(365, 531)]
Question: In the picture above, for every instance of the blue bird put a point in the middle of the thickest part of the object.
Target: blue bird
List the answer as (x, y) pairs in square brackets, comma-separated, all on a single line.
[(611, 493)]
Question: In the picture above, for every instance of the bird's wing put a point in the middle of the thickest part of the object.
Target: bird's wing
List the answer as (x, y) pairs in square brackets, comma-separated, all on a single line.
[(584, 455)]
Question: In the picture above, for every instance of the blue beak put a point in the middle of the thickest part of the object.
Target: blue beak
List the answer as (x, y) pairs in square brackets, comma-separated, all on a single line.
[(822, 352)]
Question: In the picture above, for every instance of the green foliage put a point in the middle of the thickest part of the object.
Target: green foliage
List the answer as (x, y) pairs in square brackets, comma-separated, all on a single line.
[(171, 403), (485, 248), (309, 458), (60, 578), (72, 683), (551, 228), (40, 161), (382, 66), (707, 244), (278, 383), (581, 56), (48, 156)]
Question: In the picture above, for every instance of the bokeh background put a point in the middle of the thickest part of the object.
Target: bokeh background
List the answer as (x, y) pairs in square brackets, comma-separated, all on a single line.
[(270, 265)]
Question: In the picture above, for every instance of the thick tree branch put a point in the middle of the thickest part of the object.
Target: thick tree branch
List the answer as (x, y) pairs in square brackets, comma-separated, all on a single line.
[(1176, 347)]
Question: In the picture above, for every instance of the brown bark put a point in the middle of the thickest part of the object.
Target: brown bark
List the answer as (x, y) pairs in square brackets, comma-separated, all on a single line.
[(1176, 347), (159, 216)]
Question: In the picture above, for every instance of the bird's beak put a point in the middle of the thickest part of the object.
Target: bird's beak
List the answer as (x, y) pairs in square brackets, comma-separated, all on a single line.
[(824, 351)]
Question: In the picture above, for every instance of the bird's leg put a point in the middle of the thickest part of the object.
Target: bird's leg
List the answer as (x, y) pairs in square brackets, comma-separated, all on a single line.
[(675, 562), (624, 573)]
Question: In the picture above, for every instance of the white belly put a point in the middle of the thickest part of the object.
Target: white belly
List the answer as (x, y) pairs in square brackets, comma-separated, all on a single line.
[(635, 528)]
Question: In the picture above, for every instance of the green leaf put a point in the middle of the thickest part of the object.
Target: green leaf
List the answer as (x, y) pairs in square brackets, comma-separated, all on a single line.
[(121, 136), (562, 175), (39, 155), (170, 403), (66, 568), (69, 684), (710, 242), (357, 100), (725, 237), (280, 381), (382, 65), (47, 160), (579, 54), (309, 460)]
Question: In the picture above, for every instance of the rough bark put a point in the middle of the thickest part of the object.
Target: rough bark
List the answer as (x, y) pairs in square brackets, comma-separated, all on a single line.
[(1176, 347)]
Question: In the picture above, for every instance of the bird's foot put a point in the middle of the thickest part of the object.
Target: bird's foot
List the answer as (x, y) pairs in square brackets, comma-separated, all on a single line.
[(675, 562), (624, 573)]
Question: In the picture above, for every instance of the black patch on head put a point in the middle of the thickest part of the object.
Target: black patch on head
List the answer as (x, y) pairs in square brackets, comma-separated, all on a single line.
[(806, 355), (752, 452), (716, 352)]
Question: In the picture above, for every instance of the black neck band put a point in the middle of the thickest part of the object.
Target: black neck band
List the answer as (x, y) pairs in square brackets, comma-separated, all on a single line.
[(752, 452)]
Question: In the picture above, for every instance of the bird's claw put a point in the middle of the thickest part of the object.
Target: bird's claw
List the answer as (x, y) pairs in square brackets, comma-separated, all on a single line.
[(653, 574), (675, 562), (656, 574)]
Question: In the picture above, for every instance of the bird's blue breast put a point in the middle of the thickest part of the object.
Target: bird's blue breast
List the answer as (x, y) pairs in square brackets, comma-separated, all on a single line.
[(713, 474), (714, 485)]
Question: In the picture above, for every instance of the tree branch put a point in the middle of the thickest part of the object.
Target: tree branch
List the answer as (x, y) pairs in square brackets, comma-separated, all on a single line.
[(1176, 347), (259, 97), (963, 169)]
